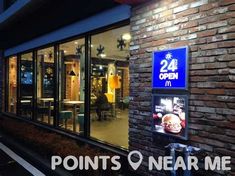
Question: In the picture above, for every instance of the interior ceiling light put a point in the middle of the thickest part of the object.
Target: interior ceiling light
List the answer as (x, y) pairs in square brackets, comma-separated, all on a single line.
[(102, 55), (126, 36), (72, 73)]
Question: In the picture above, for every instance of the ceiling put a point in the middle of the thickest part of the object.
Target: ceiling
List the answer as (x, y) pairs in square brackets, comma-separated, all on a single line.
[(43, 16)]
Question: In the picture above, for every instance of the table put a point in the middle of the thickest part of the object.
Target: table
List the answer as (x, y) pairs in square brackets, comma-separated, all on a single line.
[(26, 107), (74, 104), (46, 99), (25, 101)]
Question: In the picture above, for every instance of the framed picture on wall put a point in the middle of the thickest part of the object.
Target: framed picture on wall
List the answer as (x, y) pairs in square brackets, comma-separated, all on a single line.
[(170, 115)]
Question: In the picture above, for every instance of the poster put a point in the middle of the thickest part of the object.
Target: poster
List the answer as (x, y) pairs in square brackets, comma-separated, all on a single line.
[(170, 115), (170, 69)]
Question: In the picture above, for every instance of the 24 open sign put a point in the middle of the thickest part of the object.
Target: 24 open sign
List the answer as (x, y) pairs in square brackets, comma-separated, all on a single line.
[(170, 69)]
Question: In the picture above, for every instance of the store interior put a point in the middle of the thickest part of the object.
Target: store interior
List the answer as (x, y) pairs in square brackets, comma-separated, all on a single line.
[(109, 83)]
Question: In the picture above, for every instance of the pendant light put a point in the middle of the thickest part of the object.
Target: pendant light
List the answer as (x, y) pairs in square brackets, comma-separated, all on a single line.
[(72, 73)]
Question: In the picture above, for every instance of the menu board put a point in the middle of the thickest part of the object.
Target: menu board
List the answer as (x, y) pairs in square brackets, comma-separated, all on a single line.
[(170, 114), (170, 69)]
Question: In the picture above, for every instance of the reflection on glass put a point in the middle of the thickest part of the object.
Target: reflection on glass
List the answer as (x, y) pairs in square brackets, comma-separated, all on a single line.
[(45, 85), (72, 84), (110, 86), (26, 86), (12, 84)]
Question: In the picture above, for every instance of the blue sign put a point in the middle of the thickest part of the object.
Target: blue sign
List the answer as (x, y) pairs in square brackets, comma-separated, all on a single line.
[(170, 69)]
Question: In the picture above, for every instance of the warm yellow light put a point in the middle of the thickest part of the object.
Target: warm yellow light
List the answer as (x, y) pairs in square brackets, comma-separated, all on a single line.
[(102, 55), (126, 36)]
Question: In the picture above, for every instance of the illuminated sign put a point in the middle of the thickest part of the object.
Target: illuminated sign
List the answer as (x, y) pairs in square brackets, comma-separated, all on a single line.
[(170, 69), (170, 114)]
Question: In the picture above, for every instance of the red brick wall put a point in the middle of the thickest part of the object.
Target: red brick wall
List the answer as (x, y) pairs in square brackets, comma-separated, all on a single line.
[(208, 28)]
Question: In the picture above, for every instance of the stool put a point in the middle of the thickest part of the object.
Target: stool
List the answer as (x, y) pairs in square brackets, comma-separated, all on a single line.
[(80, 119), (105, 113), (65, 115)]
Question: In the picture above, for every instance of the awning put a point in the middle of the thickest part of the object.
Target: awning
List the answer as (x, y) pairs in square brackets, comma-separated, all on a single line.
[(27, 19)]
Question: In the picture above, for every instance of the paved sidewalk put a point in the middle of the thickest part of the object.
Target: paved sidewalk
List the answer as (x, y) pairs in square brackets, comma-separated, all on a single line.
[(11, 164)]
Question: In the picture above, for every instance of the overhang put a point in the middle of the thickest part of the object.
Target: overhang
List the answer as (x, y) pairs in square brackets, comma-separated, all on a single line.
[(28, 19)]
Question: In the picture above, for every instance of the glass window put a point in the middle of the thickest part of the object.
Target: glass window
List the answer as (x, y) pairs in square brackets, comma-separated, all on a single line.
[(45, 85), (110, 86), (26, 86), (12, 85), (72, 84)]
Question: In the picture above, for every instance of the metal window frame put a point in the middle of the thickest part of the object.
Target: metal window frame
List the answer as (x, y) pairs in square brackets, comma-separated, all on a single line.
[(80, 136)]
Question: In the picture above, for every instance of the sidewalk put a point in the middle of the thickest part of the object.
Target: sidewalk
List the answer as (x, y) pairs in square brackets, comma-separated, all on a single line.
[(9, 167), (30, 159)]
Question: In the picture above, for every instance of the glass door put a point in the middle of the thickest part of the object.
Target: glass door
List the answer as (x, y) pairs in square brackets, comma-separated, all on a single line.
[(110, 86), (72, 85), (12, 85), (26, 86), (45, 85)]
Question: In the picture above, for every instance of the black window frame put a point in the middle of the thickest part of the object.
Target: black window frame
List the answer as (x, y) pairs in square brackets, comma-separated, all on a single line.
[(87, 37)]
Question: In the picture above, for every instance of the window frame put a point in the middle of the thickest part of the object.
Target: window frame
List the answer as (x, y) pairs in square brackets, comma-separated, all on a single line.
[(86, 135)]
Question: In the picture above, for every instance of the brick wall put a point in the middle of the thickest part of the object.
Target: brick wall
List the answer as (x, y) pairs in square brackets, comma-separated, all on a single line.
[(208, 28)]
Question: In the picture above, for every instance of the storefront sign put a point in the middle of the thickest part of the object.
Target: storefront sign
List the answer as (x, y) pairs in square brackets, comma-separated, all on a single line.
[(170, 114), (170, 69)]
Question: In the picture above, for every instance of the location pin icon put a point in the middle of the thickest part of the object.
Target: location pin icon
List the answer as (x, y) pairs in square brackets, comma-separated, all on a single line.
[(135, 165)]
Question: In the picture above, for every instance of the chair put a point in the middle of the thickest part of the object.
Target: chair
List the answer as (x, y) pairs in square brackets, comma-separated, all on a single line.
[(107, 111), (80, 119), (41, 111), (126, 102), (65, 115)]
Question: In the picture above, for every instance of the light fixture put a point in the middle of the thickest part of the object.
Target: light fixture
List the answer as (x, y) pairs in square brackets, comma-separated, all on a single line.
[(72, 73), (126, 36), (23, 68), (75, 43), (103, 55)]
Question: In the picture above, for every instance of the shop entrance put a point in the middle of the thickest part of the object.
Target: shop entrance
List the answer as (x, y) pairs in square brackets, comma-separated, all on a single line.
[(110, 86)]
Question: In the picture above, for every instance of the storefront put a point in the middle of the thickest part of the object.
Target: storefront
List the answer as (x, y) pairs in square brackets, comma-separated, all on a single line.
[(130, 56), (80, 84)]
